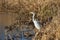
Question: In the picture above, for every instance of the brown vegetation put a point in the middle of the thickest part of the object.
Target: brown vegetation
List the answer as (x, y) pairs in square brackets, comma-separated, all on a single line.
[(47, 12)]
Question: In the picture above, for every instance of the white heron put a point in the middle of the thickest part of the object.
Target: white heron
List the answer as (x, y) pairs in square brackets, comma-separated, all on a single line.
[(36, 23)]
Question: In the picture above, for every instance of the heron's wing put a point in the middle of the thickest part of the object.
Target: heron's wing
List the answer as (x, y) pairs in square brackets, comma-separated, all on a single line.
[(38, 22)]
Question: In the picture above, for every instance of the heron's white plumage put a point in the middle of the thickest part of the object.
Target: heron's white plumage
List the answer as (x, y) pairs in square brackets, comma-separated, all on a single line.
[(36, 23)]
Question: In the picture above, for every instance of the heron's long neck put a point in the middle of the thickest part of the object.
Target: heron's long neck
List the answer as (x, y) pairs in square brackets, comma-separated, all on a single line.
[(33, 17)]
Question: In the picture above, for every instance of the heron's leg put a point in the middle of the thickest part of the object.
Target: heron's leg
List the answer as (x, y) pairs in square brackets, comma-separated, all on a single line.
[(36, 35)]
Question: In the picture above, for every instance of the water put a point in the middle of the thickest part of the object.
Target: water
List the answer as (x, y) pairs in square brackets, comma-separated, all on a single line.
[(22, 35), (2, 35)]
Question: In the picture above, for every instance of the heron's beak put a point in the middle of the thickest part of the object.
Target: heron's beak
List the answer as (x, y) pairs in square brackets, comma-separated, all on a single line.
[(31, 12)]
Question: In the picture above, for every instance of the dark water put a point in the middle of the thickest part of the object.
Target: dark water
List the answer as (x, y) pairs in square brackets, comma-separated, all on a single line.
[(1, 33)]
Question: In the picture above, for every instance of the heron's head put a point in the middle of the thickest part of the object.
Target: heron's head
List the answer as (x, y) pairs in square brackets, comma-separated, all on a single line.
[(32, 13)]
